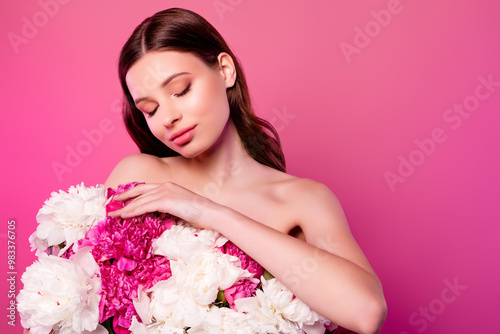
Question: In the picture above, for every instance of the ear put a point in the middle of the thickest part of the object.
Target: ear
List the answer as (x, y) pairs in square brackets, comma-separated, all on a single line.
[(227, 69)]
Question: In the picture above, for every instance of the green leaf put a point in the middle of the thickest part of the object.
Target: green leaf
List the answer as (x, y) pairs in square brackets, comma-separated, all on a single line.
[(267, 275), (220, 296), (108, 324)]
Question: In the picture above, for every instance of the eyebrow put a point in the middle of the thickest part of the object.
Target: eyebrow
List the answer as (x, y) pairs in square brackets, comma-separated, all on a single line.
[(163, 84)]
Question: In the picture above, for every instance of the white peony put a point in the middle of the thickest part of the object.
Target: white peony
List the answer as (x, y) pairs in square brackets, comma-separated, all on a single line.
[(185, 243), (276, 310), (184, 299), (294, 310), (211, 272), (153, 328), (66, 217), (169, 305), (61, 295), (223, 320)]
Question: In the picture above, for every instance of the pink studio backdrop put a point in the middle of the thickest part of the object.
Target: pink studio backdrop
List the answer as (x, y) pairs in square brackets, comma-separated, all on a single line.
[(392, 104)]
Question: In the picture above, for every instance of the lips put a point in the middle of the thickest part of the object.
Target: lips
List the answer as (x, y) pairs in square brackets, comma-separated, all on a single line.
[(180, 132)]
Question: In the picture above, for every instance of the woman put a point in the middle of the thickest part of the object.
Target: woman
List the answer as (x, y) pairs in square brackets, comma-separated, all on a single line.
[(209, 160)]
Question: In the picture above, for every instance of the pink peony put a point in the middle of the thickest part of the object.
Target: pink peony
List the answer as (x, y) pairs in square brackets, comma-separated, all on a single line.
[(123, 249), (118, 290), (152, 271), (246, 261), (132, 237), (115, 205), (241, 289)]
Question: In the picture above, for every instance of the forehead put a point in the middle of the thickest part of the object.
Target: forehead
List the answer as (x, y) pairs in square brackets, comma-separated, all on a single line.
[(154, 67)]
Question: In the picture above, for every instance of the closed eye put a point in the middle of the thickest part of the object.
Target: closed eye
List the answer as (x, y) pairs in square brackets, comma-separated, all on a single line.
[(184, 92), (188, 88), (150, 114)]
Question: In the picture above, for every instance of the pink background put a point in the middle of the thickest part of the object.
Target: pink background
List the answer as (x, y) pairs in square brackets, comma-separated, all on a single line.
[(350, 119)]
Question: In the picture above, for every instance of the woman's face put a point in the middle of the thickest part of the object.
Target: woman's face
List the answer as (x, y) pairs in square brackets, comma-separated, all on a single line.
[(177, 92)]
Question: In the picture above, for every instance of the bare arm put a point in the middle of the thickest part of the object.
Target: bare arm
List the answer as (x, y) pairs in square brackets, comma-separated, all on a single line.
[(328, 272)]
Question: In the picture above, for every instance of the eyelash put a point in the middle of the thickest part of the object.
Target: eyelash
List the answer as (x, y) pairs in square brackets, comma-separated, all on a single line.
[(184, 92)]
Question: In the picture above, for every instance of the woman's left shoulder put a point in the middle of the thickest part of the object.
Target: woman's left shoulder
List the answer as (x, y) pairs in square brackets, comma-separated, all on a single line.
[(304, 189), (312, 202)]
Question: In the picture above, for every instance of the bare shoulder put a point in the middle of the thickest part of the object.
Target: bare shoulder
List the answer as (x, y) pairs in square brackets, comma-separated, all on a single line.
[(309, 186), (319, 201), (138, 167), (304, 190), (305, 198), (314, 204)]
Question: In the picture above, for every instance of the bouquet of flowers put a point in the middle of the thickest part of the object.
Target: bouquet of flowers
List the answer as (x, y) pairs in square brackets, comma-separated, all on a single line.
[(153, 273)]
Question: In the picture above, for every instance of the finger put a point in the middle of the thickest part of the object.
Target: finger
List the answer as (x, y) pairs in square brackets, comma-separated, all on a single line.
[(134, 192), (138, 210), (139, 205)]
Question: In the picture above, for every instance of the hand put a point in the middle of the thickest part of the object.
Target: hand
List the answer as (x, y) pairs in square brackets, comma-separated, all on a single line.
[(169, 198)]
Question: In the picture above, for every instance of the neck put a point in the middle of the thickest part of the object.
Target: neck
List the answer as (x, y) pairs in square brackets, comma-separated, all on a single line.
[(224, 164)]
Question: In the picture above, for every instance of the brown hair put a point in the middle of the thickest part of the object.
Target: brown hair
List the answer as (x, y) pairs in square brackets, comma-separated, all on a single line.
[(185, 31)]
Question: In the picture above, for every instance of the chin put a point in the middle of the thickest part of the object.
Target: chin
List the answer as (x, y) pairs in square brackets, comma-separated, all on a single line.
[(188, 152), (195, 148), (189, 156)]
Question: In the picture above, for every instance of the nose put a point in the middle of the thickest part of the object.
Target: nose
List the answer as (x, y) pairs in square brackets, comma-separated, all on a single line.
[(170, 115)]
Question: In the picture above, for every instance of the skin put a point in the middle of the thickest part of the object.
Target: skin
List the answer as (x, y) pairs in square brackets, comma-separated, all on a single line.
[(294, 227)]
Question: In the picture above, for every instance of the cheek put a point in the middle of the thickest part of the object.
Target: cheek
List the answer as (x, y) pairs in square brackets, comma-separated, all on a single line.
[(211, 101), (156, 128)]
